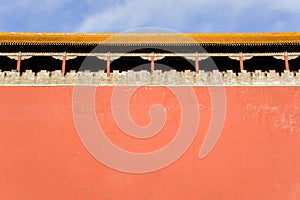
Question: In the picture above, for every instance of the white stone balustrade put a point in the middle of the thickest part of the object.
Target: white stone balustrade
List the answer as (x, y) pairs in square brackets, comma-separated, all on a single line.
[(158, 77)]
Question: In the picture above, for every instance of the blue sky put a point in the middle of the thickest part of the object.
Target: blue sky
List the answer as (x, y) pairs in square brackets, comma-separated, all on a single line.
[(124, 15)]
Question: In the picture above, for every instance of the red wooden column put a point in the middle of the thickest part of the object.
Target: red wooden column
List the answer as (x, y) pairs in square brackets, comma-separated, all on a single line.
[(19, 61), (197, 63), (63, 67), (286, 60), (108, 65), (241, 61), (152, 63)]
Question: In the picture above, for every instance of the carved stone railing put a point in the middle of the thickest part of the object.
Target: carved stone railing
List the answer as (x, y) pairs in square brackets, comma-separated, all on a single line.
[(172, 77)]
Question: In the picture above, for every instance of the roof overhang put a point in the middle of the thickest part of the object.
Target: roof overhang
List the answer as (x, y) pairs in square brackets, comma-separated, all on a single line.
[(288, 38)]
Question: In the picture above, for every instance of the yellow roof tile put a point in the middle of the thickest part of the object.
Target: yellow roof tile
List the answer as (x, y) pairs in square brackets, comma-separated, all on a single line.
[(147, 38)]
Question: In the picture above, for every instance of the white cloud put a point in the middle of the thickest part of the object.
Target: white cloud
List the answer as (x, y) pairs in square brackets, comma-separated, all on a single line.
[(290, 6), (137, 13), (122, 15), (195, 15)]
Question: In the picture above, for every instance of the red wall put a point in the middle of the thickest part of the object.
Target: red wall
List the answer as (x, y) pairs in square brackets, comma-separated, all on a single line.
[(256, 157)]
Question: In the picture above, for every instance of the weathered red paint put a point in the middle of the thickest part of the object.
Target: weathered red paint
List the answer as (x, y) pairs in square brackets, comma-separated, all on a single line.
[(19, 62), (152, 64), (286, 61), (64, 61), (108, 65), (257, 156), (197, 63), (241, 57)]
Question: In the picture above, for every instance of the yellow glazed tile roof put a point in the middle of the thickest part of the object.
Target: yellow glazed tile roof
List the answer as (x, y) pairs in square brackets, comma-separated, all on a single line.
[(153, 38)]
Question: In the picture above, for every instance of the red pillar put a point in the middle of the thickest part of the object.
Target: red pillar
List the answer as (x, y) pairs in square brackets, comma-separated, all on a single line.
[(19, 62), (286, 60), (152, 63), (197, 63), (108, 64), (63, 67), (241, 62)]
